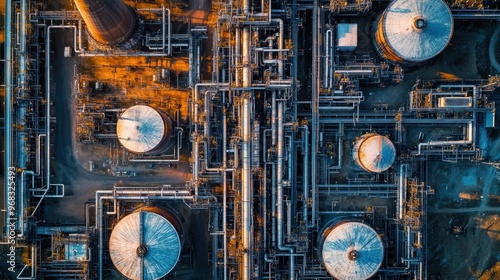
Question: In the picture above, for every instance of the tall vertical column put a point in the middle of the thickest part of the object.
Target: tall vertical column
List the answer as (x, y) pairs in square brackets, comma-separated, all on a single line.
[(246, 191)]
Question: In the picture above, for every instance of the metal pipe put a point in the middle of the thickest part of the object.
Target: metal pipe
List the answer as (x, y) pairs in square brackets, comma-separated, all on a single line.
[(33, 265), (163, 26), (8, 102), (37, 152), (327, 69), (224, 182), (280, 195), (469, 139), (247, 68), (22, 200), (246, 189), (237, 57), (314, 109), (273, 119), (403, 169), (305, 153)]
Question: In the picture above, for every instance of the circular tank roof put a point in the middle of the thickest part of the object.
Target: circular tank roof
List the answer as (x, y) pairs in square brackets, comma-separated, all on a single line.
[(417, 30), (375, 153), (352, 251), (144, 245), (140, 129)]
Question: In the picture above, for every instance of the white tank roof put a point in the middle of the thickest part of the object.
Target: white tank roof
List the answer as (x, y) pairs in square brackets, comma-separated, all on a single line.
[(140, 129), (144, 245), (417, 30), (374, 153), (352, 251)]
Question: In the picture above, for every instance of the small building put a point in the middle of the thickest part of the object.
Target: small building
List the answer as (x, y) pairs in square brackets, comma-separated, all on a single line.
[(347, 36)]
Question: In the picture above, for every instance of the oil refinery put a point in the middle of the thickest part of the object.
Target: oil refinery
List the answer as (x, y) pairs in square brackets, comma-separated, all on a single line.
[(246, 139)]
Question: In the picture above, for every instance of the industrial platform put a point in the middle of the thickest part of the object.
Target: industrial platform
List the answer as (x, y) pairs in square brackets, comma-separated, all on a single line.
[(245, 139)]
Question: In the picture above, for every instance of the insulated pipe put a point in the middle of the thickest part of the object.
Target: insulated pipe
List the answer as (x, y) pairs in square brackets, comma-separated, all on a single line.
[(21, 115), (246, 192), (164, 11), (403, 169), (237, 57), (270, 41), (224, 182), (314, 109), (280, 195), (305, 153), (247, 69), (327, 70), (8, 101), (273, 119)]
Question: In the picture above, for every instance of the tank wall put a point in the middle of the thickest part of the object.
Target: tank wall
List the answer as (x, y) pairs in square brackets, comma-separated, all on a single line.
[(167, 139), (109, 22), (382, 47)]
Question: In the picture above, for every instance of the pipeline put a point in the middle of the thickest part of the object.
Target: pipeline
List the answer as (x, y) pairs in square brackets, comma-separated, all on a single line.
[(8, 99), (246, 191), (327, 80), (305, 152), (469, 139), (280, 195)]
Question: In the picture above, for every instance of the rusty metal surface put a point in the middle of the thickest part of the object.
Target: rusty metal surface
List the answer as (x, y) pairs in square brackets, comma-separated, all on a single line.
[(109, 22)]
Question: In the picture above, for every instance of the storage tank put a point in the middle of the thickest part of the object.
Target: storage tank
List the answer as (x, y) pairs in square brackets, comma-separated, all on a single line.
[(413, 31), (374, 152), (144, 130), (109, 22), (351, 250), (146, 244)]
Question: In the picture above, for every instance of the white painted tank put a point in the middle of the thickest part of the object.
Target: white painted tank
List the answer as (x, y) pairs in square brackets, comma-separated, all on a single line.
[(413, 31), (145, 245), (374, 153), (144, 130), (351, 250)]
